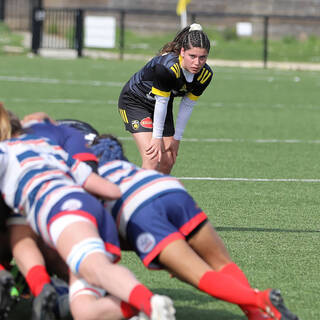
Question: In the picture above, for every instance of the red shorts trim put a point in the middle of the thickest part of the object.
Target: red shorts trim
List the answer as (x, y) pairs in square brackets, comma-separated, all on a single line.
[(85, 157), (193, 223), (160, 246), (114, 250), (75, 212)]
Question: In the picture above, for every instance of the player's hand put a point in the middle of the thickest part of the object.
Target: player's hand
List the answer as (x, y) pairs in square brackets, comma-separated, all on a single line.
[(155, 149), (173, 148)]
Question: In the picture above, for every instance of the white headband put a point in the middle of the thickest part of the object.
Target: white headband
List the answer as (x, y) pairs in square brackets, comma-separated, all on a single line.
[(195, 27)]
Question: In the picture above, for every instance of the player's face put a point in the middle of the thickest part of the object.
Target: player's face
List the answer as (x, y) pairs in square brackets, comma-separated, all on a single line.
[(194, 59)]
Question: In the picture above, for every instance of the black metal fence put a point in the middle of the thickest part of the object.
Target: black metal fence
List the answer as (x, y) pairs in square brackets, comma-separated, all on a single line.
[(64, 28), (57, 29)]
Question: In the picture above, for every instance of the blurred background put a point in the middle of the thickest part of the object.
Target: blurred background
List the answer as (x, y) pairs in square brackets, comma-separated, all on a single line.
[(243, 30)]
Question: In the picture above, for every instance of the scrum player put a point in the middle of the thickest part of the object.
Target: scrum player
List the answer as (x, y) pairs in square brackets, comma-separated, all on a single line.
[(166, 229), (41, 180)]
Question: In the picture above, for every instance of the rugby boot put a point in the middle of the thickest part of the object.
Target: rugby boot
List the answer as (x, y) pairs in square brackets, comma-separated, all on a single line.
[(6, 298), (43, 306), (274, 305), (62, 308)]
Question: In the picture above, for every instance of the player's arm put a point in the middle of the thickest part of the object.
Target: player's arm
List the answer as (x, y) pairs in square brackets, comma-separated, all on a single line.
[(162, 86), (37, 116)]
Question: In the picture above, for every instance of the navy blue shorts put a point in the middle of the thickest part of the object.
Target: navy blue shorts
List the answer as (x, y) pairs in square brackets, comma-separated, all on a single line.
[(168, 218), (87, 206)]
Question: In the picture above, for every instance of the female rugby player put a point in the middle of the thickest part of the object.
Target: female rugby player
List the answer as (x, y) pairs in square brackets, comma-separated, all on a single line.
[(167, 229), (146, 101), (39, 180)]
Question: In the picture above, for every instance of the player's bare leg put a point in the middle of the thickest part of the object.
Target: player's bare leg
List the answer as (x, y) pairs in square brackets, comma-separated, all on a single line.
[(97, 269), (142, 140)]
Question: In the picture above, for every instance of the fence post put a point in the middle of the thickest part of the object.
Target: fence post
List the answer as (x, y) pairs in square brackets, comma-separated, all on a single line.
[(265, 41), (121, 40), (33, 4), (2, 8), (193, 17), (38, 16), (79, 32)]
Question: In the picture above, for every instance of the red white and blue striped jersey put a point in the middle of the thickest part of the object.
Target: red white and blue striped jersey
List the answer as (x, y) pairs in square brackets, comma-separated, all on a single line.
[(35, 173), (138, 187)]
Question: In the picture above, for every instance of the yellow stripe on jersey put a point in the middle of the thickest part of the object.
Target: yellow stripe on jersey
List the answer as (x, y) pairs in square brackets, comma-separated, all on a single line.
[(160, 93), (176, 69), (201, 74), (123, 115), (204, 76), (191, 96)]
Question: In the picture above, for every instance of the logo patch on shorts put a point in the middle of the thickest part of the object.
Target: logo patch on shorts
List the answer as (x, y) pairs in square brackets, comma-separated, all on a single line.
[(135, 124), (71, 205), (146, 123), (145, 242)]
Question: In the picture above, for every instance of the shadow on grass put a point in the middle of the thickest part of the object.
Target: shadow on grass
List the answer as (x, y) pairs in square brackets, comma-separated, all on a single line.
[(264, 230), (192, 301)]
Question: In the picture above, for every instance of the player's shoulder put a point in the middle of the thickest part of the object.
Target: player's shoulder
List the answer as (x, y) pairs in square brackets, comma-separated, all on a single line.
[(205, 74), (168, 64), (166, 60)]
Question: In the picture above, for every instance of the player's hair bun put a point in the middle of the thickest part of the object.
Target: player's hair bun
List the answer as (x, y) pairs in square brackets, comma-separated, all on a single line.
[(195, 27)]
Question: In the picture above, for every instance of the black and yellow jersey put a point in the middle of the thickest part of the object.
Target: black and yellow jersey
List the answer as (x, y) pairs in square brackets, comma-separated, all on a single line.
[(163, 76)]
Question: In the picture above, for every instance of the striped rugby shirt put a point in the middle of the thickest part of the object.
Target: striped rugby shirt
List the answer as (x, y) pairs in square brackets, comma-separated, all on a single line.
[(35, 173), (138, 187)]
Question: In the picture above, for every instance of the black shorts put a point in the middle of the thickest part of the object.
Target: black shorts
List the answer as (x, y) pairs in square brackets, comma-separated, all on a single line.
[(137, 116)]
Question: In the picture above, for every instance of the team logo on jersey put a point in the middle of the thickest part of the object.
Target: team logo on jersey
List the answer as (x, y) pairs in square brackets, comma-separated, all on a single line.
[(135, 124), (145, 242), (183, 88), (71, 205), (146, 123)]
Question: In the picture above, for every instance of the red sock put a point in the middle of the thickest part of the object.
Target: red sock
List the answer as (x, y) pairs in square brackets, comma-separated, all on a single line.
[(127, 310), (2, 267), (140, 298), (224, 287), (36, 278), (235, 272)]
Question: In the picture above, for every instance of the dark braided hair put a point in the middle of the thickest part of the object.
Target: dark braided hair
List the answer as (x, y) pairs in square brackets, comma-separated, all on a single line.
[(189, 37)]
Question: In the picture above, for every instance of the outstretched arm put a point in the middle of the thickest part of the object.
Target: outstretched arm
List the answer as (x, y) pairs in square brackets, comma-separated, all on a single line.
[(39, 116), (102, 187)]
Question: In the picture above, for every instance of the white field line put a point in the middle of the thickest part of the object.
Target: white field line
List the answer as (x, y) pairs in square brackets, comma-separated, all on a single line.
[(249, 77), (92, 83), (249, 179), (215, 104), (227, 140), (65, 101)]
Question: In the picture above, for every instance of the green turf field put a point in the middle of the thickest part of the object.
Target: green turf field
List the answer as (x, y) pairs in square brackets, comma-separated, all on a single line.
[(250, 158)]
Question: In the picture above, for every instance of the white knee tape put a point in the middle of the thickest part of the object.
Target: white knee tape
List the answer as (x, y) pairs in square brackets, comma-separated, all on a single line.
[(81, 250), (82, 287)]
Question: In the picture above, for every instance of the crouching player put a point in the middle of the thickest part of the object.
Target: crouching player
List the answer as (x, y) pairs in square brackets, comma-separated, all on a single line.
[(167, 229), (40, 180)]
